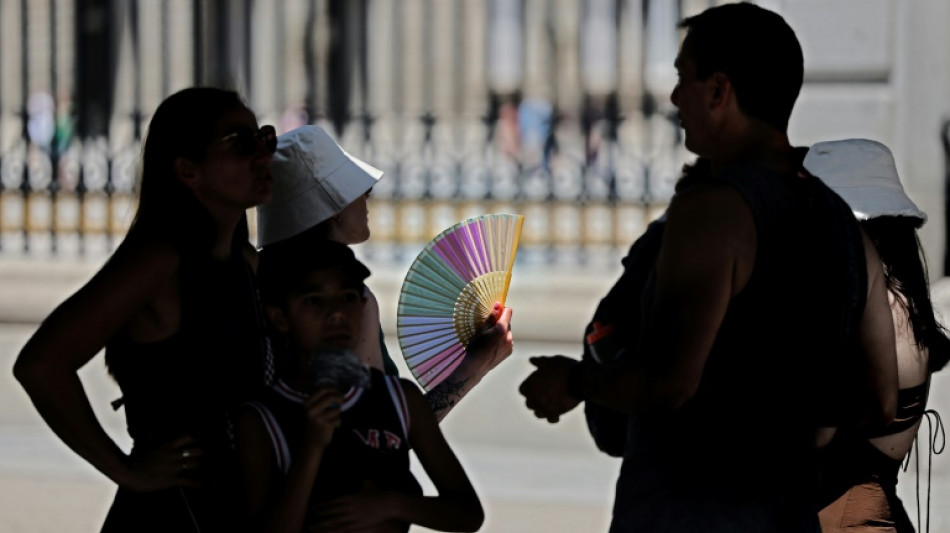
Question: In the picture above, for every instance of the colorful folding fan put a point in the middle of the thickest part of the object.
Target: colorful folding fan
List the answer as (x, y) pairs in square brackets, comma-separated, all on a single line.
[(450, 291)]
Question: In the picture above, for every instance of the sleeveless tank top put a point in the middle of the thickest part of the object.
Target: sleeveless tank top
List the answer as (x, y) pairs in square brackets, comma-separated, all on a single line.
[(739, 455), (371, 445), (187, 383)]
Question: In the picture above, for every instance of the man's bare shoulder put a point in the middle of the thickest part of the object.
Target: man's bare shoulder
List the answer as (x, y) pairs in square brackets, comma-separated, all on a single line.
[(713, 204), (712, 223)]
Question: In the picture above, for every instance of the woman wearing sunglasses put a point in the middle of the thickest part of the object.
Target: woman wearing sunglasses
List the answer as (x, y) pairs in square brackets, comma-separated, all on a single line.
[(176, 311)]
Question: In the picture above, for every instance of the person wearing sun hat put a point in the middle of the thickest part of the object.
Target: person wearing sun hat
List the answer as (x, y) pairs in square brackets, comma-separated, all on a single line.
[(864, 174), (317, 181), (320, 192), (860, 465)]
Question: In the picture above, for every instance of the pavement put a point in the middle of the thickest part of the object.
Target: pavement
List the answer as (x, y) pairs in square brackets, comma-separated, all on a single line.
[(531, 476)]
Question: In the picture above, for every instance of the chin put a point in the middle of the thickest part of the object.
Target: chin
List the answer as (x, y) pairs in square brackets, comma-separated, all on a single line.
[(358, 238), (261, 196), (340, 343), (691, 146), (264, 198)]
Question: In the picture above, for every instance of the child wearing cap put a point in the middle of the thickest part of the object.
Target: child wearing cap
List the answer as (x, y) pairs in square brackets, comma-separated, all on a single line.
[(328, 444), (320, 193)]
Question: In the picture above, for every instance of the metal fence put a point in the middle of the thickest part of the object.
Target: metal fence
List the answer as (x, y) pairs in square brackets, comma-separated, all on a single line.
[(557, 109)]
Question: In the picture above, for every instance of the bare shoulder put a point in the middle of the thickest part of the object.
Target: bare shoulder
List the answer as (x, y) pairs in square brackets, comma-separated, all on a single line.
[(415, 399), (137, 269), (710, 228), (149, 258), (411, 390), (712, 213), (124, 294), (713, 201)]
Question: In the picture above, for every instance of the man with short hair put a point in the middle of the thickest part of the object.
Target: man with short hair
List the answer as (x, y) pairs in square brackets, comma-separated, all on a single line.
[(762, 286)]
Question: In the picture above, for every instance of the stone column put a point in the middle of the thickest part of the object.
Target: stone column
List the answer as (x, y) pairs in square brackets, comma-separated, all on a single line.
[(474, 32), (921, 80)]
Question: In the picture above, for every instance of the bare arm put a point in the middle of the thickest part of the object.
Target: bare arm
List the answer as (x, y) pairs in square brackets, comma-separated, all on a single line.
[(706, 258), (368, 349), (456, 508), (72, 335), (878, 344), (494, 346), (277, 503), (876, 403)]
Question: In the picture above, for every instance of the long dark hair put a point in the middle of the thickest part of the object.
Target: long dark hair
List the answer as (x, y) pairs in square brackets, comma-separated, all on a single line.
[(182, 126), (905, 273)]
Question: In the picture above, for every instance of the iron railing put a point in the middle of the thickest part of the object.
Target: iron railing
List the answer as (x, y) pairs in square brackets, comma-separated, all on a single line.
[(556, 109)]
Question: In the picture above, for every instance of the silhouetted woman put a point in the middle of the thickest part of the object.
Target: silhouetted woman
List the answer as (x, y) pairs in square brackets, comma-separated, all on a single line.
[(176, 311), (860, 465)]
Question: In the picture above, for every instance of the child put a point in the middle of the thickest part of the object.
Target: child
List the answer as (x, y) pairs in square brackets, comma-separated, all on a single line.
[(327, 446)]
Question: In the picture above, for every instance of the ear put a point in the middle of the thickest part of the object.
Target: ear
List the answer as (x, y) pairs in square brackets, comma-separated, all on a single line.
[(721, 88), (186, 171), (277, 318)]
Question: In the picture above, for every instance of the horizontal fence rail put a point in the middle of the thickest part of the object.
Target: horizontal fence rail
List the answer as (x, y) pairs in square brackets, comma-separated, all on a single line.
[(556, 109)]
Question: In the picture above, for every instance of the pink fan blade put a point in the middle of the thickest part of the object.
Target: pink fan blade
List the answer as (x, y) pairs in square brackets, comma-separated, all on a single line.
[(431, 371)]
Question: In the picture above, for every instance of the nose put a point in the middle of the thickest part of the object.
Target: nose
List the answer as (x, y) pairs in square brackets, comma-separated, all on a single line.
[(267, 141), (674, 95), (336, 315)]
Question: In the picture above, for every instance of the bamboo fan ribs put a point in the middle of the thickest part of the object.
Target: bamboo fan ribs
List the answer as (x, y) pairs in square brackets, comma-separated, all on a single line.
[(450, 290)]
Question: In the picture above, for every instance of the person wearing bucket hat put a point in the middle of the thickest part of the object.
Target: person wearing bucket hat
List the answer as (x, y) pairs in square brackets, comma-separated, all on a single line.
[(317, 185), (320, 192), (860, 465)]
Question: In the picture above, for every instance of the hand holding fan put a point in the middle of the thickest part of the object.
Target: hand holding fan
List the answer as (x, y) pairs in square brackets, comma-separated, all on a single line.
[(450, 290)]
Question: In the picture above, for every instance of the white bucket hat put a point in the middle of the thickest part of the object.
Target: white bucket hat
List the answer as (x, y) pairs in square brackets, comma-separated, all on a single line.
[(863, 173), (314, 179)]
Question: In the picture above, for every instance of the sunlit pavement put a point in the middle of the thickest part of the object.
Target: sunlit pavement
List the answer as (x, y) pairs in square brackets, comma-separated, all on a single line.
[(531, 475)]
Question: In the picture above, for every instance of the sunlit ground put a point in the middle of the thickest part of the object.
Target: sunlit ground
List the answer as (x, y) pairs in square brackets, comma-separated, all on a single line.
[(531, 476)]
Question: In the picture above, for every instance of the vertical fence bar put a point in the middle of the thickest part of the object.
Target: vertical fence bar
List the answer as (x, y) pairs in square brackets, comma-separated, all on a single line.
[(435, 142), (166, 53), (197, 56), (3, 112), (25, 117), (54, 142), (945, 139), (311, 91), (247, 33)]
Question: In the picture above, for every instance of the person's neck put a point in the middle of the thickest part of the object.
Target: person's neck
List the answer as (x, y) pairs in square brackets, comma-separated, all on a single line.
[(755, 142), (297, 374), (226, 226)]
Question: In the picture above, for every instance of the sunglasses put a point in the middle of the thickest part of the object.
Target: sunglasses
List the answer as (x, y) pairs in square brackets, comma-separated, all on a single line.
[(246, 142)]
